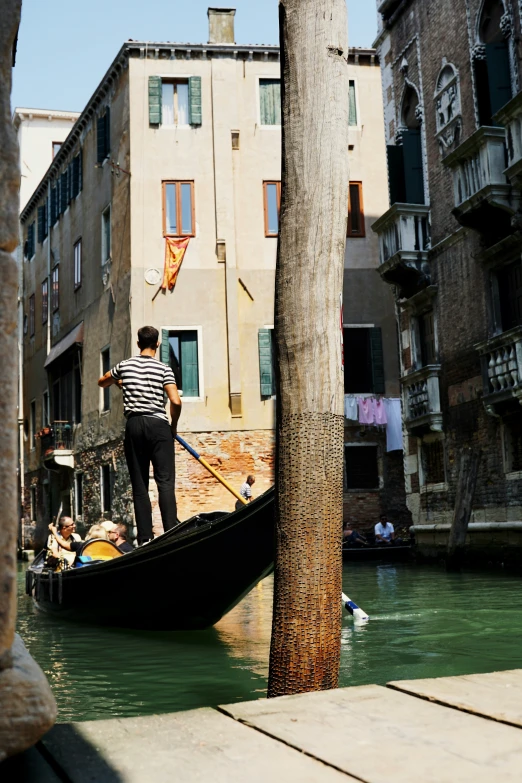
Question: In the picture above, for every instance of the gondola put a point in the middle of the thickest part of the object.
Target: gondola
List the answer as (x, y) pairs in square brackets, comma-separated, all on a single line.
[(384, 554), (188, 578)]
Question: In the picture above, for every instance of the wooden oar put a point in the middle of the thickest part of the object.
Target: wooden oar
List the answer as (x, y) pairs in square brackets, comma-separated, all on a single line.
[(210, 469)]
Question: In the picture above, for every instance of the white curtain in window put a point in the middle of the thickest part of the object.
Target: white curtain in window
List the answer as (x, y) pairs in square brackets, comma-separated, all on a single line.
[(167, 103), (183, 104)]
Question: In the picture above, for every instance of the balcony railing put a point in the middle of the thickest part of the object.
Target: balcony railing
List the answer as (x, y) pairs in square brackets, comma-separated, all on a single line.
[(478, 166), (422, 399), (404, 241), (501, 360), (57, 444), (510, 116)]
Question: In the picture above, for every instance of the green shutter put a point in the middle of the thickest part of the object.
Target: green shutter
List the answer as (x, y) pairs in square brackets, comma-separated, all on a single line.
[(70, 181), (352, 116), (499, 76), (265, 362), (189, 363), (75, 177), (54, 205), (270, 101), (80, 170), (30, 241), (164, 350), (396, 174), (413, 167), (64, 191), (195, 117), (41, 223), (154, 100), (107, 130), (377, 360), (100, 140)]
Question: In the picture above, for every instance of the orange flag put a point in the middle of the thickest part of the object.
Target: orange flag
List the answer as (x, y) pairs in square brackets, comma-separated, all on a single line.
[(174, 254)]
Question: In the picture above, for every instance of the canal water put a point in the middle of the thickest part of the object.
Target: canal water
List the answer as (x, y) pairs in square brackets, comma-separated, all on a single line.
[(424, 623)]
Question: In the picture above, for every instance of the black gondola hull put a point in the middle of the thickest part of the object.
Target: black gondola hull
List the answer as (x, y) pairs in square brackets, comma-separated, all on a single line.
[(188, 578)]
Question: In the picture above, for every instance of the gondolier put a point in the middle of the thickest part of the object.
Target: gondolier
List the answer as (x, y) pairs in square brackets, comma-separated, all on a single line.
[(148, 435)]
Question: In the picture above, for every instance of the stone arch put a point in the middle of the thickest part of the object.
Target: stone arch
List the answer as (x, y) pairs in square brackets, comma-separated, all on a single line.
[(411, 114)]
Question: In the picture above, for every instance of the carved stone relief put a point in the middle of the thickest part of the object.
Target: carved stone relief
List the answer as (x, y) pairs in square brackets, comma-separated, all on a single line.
[(448, 108)]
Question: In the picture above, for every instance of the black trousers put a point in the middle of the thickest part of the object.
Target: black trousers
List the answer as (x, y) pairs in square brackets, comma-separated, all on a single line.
[(149, 439)]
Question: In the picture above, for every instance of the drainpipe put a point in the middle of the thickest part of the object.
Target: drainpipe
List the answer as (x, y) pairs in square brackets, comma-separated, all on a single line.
[(21, 460)]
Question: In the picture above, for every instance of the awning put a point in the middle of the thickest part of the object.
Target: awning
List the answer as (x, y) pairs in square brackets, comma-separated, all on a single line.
[(74, 337)]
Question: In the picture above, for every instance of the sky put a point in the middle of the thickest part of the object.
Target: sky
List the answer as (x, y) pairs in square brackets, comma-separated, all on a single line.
[(64, 47)]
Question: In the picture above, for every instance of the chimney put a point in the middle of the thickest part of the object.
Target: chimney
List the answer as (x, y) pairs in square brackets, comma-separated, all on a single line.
[(221, 25)]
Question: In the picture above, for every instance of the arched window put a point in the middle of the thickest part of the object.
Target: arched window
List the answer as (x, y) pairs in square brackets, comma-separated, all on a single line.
[(405, 164), (491, 61)]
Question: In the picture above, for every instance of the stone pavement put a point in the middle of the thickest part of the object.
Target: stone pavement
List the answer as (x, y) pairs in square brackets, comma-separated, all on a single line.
[(443, 730)]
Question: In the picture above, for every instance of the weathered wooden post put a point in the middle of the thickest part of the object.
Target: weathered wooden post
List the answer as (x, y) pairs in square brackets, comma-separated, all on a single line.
[(27, 707), (467, 482), (306, 630)]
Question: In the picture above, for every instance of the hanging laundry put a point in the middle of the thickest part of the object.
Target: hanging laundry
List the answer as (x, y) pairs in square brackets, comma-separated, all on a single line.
[(366, 414), (379, 412), (394, 426), (350, 407)]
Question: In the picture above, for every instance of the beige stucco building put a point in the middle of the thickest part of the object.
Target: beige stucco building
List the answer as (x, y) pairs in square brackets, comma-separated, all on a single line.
[(178, 141)]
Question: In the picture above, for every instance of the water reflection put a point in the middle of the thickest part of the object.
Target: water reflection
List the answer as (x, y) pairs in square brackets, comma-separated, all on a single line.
[(424, 623)]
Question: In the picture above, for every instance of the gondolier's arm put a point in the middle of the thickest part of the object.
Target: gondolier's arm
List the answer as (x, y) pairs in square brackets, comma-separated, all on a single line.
[(171, 390)]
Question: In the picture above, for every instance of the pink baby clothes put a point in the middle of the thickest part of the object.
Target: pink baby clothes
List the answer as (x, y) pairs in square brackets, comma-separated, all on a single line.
[(379, 412), (366, 414)]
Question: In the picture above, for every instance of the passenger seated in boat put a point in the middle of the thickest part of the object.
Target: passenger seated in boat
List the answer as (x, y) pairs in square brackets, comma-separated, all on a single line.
[(119, 536), (352, 537), (67, 531), (95, 531), (384, 532)]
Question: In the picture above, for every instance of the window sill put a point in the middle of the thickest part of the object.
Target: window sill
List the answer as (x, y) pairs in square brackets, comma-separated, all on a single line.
[(105, 413), (179, 236), (175, 127), (355, 236), (514, 475), (438, 487), (192, 399)]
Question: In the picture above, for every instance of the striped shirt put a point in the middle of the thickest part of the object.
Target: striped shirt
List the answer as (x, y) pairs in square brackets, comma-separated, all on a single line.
[(246, 490), (143, 381)]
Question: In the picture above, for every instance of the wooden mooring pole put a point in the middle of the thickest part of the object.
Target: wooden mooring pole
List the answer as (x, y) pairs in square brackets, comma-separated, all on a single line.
[(466, 484)]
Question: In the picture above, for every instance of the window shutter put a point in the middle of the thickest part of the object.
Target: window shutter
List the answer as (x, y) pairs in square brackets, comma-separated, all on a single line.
[(75, 179), (30, 241), (396, 175), (195, 116), (499, 77), (413, 168), (70, 181), (189, 363), (265, 362), (64, 190), (107, 130), (164, 349), (100, 139), (270, 101), (80, 171), (41, 223), (377, 360), (54, 205), (154, 100), (352, 115)]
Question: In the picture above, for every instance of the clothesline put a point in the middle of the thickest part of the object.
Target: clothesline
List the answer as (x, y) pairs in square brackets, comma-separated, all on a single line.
[(377, 412)]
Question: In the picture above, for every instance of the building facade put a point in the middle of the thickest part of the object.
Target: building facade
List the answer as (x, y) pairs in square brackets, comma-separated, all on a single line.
[(450, 248), (180, 142)]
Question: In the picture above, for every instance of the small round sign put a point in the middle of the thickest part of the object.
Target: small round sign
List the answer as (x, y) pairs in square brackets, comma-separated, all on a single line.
[(152, 276)]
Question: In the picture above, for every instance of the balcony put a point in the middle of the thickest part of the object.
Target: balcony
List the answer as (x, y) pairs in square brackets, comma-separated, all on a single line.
[(404, 241), (422, 400), (510, 116), (387, 7), (501, 361), (57, 445), (484, 199)]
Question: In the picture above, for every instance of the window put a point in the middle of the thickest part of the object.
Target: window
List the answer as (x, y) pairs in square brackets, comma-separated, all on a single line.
[(363, 361), (427, 339), (106, 235), (32, 424), (362, 469), (179, 349), (30, 244), (78, 495), (54, 205), (178, 209), (175, 102), (55, 289), (405, 164), (56, 147), (45, 301), (352, 114), (31, 316), (509, 280), (42, 222), (77, 264), (272, 205), (33, 501), (45, 409), (270, 101), (491, 62), (355, 227), (106, 490), (266, 346), (432, 456), (103, 136), (67, 391), (105, 362)]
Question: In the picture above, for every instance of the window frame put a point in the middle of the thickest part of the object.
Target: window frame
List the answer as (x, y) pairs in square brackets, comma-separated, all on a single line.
[(357, 111), (378, 453), (106, 258), (201, 378), (349, 231), (33, 501), (277, 183), (424, 483), (103, 487), (53, 144), (175, 80), (77, 264), (265, 78), (32, 315), (178, 183), (55, 292), (45, 300), (105, 394), (46, 413)]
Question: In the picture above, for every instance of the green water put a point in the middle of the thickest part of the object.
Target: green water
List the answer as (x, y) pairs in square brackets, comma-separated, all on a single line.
[(424, 623)]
